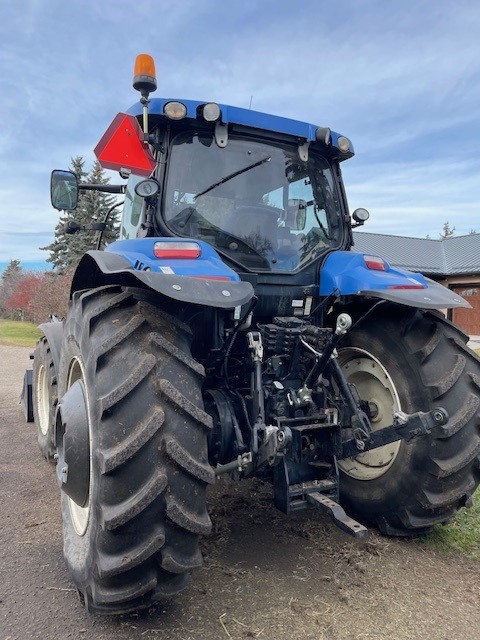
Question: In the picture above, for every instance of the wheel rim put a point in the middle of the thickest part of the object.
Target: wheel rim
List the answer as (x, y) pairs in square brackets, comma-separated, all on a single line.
[(43, 400), (374, 385), (79, 515)]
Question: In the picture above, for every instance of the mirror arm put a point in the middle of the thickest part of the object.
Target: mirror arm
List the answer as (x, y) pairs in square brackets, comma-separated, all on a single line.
[(105, 188)]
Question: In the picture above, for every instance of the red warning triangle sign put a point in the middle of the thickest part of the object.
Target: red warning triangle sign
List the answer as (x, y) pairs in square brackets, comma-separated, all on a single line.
[(122, 147)]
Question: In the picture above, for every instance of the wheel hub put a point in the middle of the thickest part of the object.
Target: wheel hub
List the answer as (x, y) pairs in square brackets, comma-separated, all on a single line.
[(376, 387), (222, 436), (72, 439), (43, 400)]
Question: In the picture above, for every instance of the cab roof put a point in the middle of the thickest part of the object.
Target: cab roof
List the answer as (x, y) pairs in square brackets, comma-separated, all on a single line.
[(245, 117)]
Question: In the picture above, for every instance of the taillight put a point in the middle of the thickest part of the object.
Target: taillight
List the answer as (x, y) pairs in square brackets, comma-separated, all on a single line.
[(375, 263), (177, 250)]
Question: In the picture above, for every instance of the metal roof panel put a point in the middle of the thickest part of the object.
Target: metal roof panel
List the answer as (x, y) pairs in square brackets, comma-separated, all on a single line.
[(446, 256)]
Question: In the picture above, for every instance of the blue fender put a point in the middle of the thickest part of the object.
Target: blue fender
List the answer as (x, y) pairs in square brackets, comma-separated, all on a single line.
[(53, 332), (205, 280), (349, 273)]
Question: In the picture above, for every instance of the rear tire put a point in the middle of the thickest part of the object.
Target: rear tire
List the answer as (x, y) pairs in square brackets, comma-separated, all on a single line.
[(135, 541), (406, 491), (45, 397)]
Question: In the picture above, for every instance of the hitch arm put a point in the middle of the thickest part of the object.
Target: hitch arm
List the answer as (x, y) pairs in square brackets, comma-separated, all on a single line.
[(405, 427), (337, 514)]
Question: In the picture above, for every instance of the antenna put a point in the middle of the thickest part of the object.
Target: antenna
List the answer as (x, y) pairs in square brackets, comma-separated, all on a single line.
[(250, 105)]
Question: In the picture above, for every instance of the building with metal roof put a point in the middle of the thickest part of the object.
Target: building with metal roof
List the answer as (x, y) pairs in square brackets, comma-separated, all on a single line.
[(452, 261), (454, 255)]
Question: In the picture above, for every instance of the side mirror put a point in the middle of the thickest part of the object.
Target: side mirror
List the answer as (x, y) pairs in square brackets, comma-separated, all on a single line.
[(63, 190), (297, 213)]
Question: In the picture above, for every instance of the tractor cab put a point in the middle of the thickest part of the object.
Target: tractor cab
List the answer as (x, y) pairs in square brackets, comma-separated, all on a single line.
[(266, 200)]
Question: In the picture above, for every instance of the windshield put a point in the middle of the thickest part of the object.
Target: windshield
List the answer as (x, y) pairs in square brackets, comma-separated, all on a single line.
[(256, 203)]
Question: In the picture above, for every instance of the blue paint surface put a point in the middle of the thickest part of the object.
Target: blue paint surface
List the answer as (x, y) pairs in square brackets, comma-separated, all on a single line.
[(347, 273), (139, 253)]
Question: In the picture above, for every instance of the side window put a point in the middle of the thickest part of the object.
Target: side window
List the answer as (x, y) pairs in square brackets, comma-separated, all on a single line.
[(132, 209)]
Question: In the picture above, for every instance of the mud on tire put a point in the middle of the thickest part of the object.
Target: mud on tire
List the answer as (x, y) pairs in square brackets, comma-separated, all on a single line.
[(432, 477), (136, 540)]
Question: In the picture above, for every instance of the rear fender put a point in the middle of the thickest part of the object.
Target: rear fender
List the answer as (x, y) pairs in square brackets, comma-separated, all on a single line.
[(53, 332), (206, 280), (347, 273)]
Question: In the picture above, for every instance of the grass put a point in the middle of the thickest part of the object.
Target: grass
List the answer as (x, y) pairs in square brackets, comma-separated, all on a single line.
[(462, 536), (20, 334)]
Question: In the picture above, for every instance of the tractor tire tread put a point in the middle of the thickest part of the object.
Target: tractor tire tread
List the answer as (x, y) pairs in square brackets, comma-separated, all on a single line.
[(145, 392), (133, 442), (43, 356), (189, 463), (116, 516), (111, 565), (444, 480)]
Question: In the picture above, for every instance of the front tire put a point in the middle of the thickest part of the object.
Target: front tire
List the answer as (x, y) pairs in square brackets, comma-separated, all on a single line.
[(45, 397), (413, 360), (134, 540)]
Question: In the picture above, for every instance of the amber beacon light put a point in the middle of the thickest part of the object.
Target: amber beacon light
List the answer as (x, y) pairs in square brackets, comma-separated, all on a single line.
[(145, 81), (144, 77)]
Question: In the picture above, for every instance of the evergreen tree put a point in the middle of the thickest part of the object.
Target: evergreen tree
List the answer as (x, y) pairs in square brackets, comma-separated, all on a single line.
[(12, 272), (448, 231), (67, 249), (9, 281)]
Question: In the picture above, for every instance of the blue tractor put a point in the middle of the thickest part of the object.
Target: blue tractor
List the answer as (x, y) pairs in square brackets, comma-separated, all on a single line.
[(231, 330)]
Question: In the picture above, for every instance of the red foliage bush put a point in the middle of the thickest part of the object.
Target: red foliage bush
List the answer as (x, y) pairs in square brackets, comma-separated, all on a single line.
[(37, 296), (21, 298)]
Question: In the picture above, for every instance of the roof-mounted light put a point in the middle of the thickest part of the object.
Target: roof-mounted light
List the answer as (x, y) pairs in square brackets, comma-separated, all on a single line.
[(211, 111), (175, 110), (343, 144), (144, 77), (177, 250)]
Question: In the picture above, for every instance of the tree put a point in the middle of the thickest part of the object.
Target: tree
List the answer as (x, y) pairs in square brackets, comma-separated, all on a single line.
[(14, 270), (447, 230), (19, 303), (51, 297), (10, 278), (67, 249)]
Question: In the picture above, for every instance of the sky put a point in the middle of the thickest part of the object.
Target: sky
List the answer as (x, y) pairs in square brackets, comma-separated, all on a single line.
[(400, 78)]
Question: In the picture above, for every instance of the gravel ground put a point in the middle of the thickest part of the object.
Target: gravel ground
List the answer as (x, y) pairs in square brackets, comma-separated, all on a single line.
[(266, 575)]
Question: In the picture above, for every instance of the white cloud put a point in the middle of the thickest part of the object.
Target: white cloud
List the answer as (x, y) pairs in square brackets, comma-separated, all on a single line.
[(415, 199), (402, 79)]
